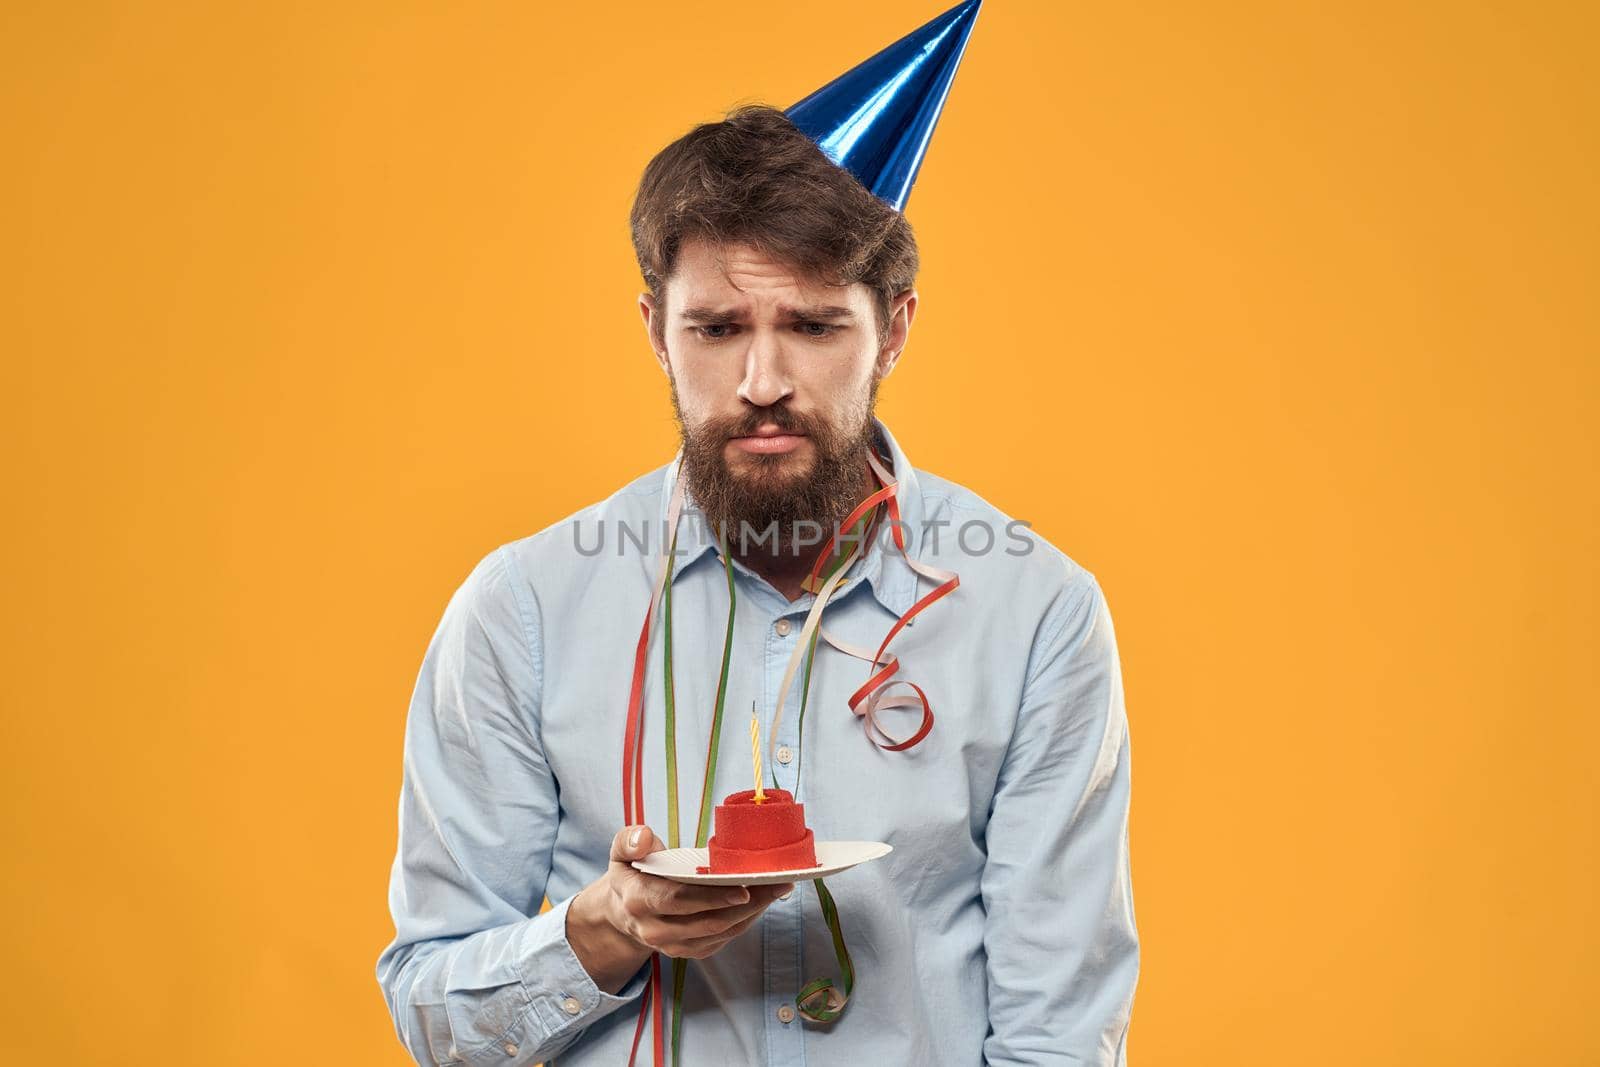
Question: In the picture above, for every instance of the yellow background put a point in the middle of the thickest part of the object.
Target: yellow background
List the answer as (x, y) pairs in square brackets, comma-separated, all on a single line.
[(1278, 317)]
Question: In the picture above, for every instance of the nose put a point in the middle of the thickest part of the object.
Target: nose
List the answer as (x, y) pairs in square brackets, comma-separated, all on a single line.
[(766, 380)]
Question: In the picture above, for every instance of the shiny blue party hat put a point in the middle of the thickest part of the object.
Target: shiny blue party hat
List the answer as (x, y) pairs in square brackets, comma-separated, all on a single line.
[(876, 119)]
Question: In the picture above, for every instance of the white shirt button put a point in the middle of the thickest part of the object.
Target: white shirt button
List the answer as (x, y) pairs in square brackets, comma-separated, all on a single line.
[(785, 754), (782, 627), (511, 1050), (571, 1006), (786, 1014)]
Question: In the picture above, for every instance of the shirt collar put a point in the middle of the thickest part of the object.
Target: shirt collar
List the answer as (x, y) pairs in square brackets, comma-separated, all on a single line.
[(893, 583)]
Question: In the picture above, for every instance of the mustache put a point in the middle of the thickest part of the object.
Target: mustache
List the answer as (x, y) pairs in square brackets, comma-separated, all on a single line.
[(750, 425)]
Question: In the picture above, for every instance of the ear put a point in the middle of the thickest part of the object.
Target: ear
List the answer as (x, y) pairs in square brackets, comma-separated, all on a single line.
[(649, 310), (901, 311)]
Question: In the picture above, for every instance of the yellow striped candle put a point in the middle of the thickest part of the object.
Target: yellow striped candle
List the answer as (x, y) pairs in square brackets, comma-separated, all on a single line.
[(755, 752)]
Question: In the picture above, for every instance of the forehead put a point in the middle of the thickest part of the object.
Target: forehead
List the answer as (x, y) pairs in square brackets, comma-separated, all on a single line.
[(737, 275)]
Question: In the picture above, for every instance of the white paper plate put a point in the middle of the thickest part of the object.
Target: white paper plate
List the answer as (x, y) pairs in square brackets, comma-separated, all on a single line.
[(832, 857)]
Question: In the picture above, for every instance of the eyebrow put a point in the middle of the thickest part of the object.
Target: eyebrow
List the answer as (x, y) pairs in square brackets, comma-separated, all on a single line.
[(705, 313)]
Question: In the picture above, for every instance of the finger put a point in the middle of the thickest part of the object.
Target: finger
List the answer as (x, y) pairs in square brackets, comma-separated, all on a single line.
[(711, 923), (701, 934), (663, 896), (689, 899), (701, 947), (633, 843), (707, 923)]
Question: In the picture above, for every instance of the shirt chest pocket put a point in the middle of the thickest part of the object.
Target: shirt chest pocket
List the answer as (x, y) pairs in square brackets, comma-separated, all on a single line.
[(930, 800)]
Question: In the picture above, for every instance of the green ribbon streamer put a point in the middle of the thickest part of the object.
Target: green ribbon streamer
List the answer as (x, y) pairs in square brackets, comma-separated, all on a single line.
[(672, 724), (834, 1000), (703, 832), (680, 967)]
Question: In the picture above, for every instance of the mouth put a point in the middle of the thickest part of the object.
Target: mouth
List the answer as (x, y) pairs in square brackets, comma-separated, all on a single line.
[(769, 440)]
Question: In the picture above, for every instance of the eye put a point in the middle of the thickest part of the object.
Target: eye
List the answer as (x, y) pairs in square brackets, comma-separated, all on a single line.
[(706, 331), (818, 329)]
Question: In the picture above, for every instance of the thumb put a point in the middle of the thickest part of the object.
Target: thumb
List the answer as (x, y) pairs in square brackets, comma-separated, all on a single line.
[(632, 843)]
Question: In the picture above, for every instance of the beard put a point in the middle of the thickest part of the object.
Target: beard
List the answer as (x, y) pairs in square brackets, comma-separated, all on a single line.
[(760, 505)]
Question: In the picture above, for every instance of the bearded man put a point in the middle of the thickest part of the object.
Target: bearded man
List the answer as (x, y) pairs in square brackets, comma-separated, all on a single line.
[(999, 930)]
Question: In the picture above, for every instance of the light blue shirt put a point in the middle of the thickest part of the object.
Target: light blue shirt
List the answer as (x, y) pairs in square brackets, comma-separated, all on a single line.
[(1000, 930)]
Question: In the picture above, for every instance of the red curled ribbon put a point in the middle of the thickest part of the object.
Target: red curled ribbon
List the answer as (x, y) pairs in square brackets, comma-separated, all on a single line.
[(866, 700)]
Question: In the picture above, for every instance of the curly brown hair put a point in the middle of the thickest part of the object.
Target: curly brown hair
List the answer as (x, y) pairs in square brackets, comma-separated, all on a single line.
[(756, 178)]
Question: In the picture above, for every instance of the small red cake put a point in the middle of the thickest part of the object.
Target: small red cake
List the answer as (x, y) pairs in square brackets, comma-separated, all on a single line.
[(769, 836)]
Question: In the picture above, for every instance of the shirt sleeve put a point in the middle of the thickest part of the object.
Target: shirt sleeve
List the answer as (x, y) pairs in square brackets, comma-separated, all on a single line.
[(475, 975), (1063, 951)]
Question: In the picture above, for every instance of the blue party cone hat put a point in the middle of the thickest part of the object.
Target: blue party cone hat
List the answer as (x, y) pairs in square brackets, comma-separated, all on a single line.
[(876, 119)]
